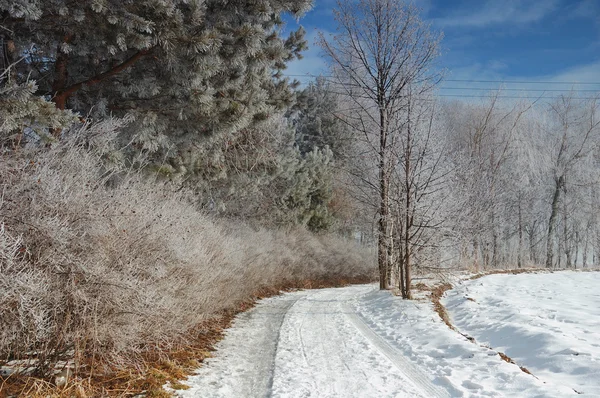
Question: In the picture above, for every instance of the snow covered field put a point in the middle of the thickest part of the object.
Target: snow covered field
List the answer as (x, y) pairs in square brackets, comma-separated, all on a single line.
[(356, 342), (548, 323)]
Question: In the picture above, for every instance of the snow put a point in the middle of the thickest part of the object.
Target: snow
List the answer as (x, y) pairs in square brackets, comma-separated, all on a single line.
[(548, 323), (325, 350), (464, 369), (355, 342)]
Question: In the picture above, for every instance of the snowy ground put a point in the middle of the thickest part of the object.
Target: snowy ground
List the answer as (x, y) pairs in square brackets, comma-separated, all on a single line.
[(355, 342), (548, 323)]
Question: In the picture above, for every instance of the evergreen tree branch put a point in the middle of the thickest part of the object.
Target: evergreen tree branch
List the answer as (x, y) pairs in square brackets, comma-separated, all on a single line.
[(67, 92)]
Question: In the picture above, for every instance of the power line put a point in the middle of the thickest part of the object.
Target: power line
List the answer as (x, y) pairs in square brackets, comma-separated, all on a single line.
[(442, 94), (519, 82), (513, 89), (513, 97), (473, 80), (542, 97), (519, 89)]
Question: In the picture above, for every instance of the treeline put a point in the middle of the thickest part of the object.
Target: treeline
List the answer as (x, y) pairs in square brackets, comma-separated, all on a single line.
[(484, 184), (526, 176), (157, 171)]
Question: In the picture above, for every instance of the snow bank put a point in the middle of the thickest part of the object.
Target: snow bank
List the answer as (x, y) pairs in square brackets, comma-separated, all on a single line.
[(464, 369), (548, 323)]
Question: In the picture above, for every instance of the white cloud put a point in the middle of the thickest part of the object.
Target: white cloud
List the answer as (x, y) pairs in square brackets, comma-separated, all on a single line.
[(493, 71), (586, 73), (494, 12)]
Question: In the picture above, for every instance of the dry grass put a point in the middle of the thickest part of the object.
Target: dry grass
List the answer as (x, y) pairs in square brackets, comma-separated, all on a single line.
[(437, 292), (508, 359), (516, 271), (124, 275)]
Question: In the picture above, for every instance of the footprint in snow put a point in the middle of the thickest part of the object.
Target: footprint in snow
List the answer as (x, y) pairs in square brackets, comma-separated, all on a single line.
[(471, 386)]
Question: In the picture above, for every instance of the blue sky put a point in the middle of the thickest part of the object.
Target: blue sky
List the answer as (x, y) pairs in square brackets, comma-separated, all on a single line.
[(508, 40)]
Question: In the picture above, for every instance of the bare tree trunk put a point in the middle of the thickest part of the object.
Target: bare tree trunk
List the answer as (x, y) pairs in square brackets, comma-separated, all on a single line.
[(381, 50), (391, 247), (566, 241), (400, 257), (408, 222), (552, 221), (382, 251), (402, 278), (520, 250), (494, 249), (384, 205), (596, 248), (407, 278), (585, 249), (576, 249), (486, 255), (61, 77), (533, 257), (407, 230), (476, 255)]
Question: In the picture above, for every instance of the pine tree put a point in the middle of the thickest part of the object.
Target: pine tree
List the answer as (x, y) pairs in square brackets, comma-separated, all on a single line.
[(185, 69), (202, 82), (318, 121), (21, 112)]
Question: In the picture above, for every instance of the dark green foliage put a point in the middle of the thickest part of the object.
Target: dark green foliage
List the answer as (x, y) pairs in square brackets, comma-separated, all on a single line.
[(200, 83), (311, 190), (186, 69), (22, 112), (317, 121)]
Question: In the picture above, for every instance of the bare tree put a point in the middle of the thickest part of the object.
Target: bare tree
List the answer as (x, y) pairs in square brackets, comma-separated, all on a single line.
[(420, 181), (382, 50), (488, 144), (579, 135)]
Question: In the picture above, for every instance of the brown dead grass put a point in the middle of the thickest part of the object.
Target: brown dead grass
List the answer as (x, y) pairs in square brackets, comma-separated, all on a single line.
[(511, 361), (129, 277), (437, 292), (511, 272), (161, 367), (421, 287)]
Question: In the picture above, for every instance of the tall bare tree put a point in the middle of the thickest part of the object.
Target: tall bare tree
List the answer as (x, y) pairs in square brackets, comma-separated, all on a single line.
[(578, 136), (380, 57), (420, 183)]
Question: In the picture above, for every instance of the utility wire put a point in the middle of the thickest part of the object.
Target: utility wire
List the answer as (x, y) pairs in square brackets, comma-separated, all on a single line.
[(513, 97), (519, 82), (473, 80), (441, 94), (520, 89), (363, 96)]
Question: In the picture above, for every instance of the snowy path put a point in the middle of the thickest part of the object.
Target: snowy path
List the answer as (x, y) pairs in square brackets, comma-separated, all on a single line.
[(340, 355), (354, 342)]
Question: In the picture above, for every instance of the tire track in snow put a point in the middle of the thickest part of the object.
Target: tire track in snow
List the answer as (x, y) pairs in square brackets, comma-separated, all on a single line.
[(245, 361), (413, 374), (325, 347), (321, 354), (302, 347), (285, 310)]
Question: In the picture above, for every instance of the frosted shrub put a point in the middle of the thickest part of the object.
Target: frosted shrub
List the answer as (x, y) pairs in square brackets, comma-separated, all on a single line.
[(99, 262)]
